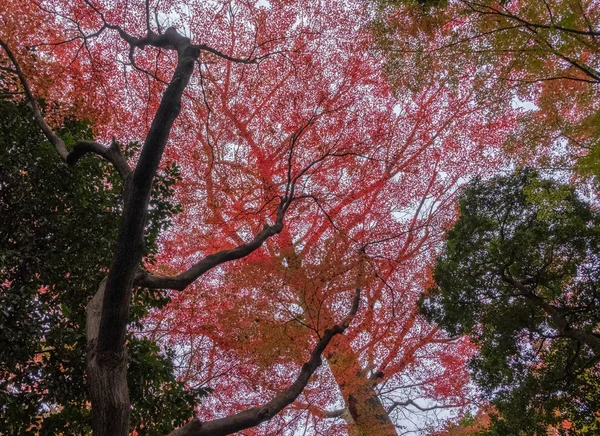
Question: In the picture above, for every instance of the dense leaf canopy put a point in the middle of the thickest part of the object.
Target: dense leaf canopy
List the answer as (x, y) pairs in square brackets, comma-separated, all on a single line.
[(541, 55), (320, 147), (520, 275)]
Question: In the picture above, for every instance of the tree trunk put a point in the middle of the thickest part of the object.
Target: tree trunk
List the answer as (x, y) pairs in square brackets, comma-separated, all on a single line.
[(369, 416), (107, 377)]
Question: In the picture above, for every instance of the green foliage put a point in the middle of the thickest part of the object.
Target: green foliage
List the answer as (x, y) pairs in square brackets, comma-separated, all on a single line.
[(57, 231), (541, 56), (159, 403), (589, 165), (423, 4), (520, 274)]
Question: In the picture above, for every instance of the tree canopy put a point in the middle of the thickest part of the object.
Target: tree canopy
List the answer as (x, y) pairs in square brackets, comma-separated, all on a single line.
[(319, 148), (520, 276), (541, 55)]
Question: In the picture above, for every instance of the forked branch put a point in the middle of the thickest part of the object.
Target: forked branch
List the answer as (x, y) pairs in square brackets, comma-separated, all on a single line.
[(171, 39), (111, 153), (558, 319), (406, 403), (256, 415)]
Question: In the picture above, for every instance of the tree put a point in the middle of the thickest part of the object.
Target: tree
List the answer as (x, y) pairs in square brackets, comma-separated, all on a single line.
[(108, 311), (285, 115), (467, 425), (520, 276), (395, 161), (49, 260), (533, 52)]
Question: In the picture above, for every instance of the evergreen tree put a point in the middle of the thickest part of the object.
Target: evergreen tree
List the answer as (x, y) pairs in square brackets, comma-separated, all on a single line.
[(57, 231), (520, 275)]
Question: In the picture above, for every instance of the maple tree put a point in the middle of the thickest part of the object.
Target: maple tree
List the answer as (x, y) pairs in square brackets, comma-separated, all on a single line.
[(409, 172), (282, 123)]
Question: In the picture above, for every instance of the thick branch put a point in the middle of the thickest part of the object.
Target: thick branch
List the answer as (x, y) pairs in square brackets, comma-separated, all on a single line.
[(183, 280), (252, 417), (111, 154), (339, 413), (128, 252), (171, 39)]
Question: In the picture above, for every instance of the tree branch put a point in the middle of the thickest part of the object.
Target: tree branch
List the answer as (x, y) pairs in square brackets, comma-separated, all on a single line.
[(171, 39), (37, 114), (183, 280), (111, 153), (129, 246), (421, 408), (558, 319), (339, 413), (256, 415), (495, 11)]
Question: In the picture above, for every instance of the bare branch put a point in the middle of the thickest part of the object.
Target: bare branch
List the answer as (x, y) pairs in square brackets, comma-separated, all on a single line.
[(248, 60), (148, 15), (494, 11), (111, 154), (171, 39), (183, 280), (339, 413), (396, 404)]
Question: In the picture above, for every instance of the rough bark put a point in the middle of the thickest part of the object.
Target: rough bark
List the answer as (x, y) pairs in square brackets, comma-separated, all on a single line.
[(107, 356), (107, 376)]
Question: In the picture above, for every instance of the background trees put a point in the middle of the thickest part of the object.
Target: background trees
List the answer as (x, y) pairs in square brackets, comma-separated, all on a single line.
[(535, 53), (520, 276), (543, 56)]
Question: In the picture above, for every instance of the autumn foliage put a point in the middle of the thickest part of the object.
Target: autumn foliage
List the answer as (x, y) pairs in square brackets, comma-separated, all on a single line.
[(306, 166)]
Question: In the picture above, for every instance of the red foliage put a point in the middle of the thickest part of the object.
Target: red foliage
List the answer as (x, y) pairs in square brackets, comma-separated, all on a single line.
[(382, 171), (375, 172)]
